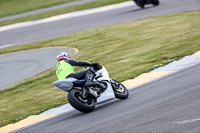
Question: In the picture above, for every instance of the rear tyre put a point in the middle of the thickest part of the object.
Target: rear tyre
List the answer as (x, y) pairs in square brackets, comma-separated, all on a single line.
[(120, 91), (139, 3), (85, 105), (155, 2)]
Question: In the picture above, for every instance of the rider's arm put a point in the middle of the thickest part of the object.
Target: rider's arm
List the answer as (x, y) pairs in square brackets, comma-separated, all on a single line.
[(79, 63)]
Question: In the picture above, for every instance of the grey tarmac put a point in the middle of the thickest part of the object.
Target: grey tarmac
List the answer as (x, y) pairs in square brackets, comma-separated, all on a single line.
[(78, 2), (168, 105)]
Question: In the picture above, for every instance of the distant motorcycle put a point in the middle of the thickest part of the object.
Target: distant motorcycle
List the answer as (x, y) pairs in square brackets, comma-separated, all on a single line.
[(142, 3), (84, 99)]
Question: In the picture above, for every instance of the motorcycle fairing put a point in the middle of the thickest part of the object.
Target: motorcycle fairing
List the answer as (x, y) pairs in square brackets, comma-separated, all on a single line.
[(103, 73), (65, 84), (108, 94)]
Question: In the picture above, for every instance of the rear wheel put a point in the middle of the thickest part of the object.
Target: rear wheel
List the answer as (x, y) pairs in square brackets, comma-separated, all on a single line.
[(139, 3), (77, 101), (155, 2), (120, 91)]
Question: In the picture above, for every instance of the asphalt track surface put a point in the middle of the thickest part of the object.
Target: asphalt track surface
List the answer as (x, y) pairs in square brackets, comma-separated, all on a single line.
[(18, 66), (169, 105), (68, 26), (45, 9)]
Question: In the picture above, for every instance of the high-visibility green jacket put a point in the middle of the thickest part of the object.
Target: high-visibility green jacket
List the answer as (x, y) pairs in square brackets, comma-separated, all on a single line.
[(65, 67)]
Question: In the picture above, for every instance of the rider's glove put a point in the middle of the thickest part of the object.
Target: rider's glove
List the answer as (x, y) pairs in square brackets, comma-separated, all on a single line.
[(96, 66)]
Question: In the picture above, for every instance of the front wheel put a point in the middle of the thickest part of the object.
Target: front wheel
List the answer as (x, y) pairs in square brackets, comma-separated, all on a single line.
[(77, 101), (120, 91)]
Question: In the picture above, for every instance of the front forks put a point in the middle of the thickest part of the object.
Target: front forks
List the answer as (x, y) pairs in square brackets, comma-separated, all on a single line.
[(85, 94), (114, 84)]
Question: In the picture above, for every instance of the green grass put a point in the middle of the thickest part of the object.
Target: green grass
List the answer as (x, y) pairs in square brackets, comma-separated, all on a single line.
[(12, 7), (127, 50), (62, 11)]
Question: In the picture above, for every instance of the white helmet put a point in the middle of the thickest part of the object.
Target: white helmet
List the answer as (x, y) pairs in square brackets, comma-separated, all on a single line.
[(63, 55)]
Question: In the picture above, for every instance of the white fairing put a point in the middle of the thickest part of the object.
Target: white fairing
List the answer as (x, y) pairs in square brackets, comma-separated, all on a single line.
[(104, 73), (108, 94), (65, 84)]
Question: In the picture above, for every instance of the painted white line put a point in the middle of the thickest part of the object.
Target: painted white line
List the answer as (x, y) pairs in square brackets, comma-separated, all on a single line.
[(187, 121), (68, 15), (5, 46)]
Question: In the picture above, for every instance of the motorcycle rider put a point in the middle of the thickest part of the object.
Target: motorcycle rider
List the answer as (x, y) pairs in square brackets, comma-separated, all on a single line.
[(65, 69)]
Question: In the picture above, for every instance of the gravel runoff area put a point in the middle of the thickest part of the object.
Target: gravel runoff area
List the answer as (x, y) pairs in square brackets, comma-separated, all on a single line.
[(18, 66)]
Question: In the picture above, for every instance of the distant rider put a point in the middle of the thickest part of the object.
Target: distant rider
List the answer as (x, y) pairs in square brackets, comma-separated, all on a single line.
[(65, 69)]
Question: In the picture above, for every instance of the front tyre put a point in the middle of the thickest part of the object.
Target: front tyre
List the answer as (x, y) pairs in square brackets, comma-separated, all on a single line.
[(85, 105), (120, 91)]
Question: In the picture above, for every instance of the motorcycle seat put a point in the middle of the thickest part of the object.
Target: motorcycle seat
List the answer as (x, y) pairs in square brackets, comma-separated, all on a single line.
[(79, 83)]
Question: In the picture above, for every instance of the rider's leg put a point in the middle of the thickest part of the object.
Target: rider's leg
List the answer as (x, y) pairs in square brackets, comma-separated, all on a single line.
[(88, 75), (77, 75)]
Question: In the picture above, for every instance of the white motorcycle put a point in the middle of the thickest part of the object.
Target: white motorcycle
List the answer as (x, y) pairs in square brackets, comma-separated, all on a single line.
[(84, 99)]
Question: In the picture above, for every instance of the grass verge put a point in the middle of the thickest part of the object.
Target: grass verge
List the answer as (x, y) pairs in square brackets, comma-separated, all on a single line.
[(127, 50), (87, 5), (12, 7)]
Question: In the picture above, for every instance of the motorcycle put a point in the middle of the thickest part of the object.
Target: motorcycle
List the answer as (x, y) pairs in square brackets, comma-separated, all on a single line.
[(84, 99), (142, 3)]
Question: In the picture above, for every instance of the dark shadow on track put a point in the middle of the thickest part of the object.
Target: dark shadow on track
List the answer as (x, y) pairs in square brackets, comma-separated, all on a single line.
[(137, 10)]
